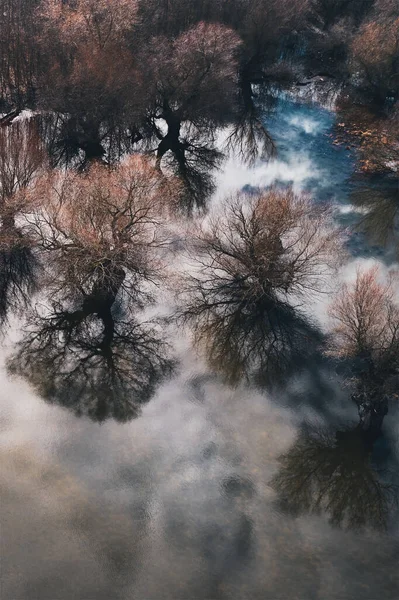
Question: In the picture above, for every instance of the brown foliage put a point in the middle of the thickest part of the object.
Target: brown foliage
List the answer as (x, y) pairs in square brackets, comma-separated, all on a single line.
[(195, 73), (366, 321), (100, 89), (103, 225), (192, 83), (278, 241), (98, 23), (90, 77), (375, 55), (256, 263), (375, 138)]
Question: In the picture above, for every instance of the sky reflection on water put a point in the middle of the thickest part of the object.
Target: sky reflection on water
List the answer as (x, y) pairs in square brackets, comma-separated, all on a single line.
[(178, 503)]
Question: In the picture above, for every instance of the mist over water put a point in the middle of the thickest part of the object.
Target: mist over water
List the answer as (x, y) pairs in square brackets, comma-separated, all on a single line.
[(178, 503)]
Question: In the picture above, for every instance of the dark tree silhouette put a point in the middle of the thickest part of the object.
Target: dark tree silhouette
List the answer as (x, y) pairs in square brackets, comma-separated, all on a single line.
[(260, 340), (19, 271), (19, 56), (21, 159), (378, 200), (193, 81), (91, 81), (249, 136), (251, 267), (333, 472), (91, 361)]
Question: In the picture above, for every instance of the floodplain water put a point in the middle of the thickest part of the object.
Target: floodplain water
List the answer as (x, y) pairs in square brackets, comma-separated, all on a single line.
[(178, 502)]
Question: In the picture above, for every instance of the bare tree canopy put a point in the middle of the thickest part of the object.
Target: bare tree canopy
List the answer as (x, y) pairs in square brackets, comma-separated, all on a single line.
[(366, 320), (104, 223), (365, 335), (262, 255)]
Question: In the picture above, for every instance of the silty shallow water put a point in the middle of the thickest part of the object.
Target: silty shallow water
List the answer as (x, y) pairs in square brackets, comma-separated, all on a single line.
[(177, 504)]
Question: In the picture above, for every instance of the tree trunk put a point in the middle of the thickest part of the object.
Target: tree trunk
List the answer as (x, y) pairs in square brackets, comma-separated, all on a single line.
[(171, 141)]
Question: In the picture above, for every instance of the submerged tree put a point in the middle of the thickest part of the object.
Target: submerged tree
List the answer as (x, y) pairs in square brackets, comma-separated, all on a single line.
[(193, 81), (366, 335), (91, 81), (256, 265), (100, 238), (104, 229), (333, 472)]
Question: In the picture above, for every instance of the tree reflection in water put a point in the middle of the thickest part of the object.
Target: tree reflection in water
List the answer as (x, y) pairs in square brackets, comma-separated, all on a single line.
[(333, 472), (19, 269), (262, 339), (91, 361), (379, 200), (22, 158), (249, 136), (253, 265)]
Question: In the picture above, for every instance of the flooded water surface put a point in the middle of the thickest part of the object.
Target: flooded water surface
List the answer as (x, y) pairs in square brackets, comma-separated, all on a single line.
[(199, 490)]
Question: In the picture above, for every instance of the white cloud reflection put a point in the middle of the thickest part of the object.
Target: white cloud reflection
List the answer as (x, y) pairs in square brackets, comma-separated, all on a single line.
[(177, 504)]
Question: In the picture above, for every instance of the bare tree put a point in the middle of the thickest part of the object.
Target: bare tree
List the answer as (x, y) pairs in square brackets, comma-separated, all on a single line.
[(260, 260), (193, 82), (100, 237), (100, 23), (19, 269), (91, 81), (19, 56), (22, 155), (365, 335), (375, 54), (103, 229), (366, 320)]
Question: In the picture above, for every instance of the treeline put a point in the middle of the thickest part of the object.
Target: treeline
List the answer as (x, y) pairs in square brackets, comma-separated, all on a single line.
[(355, 42), (109, 77)]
